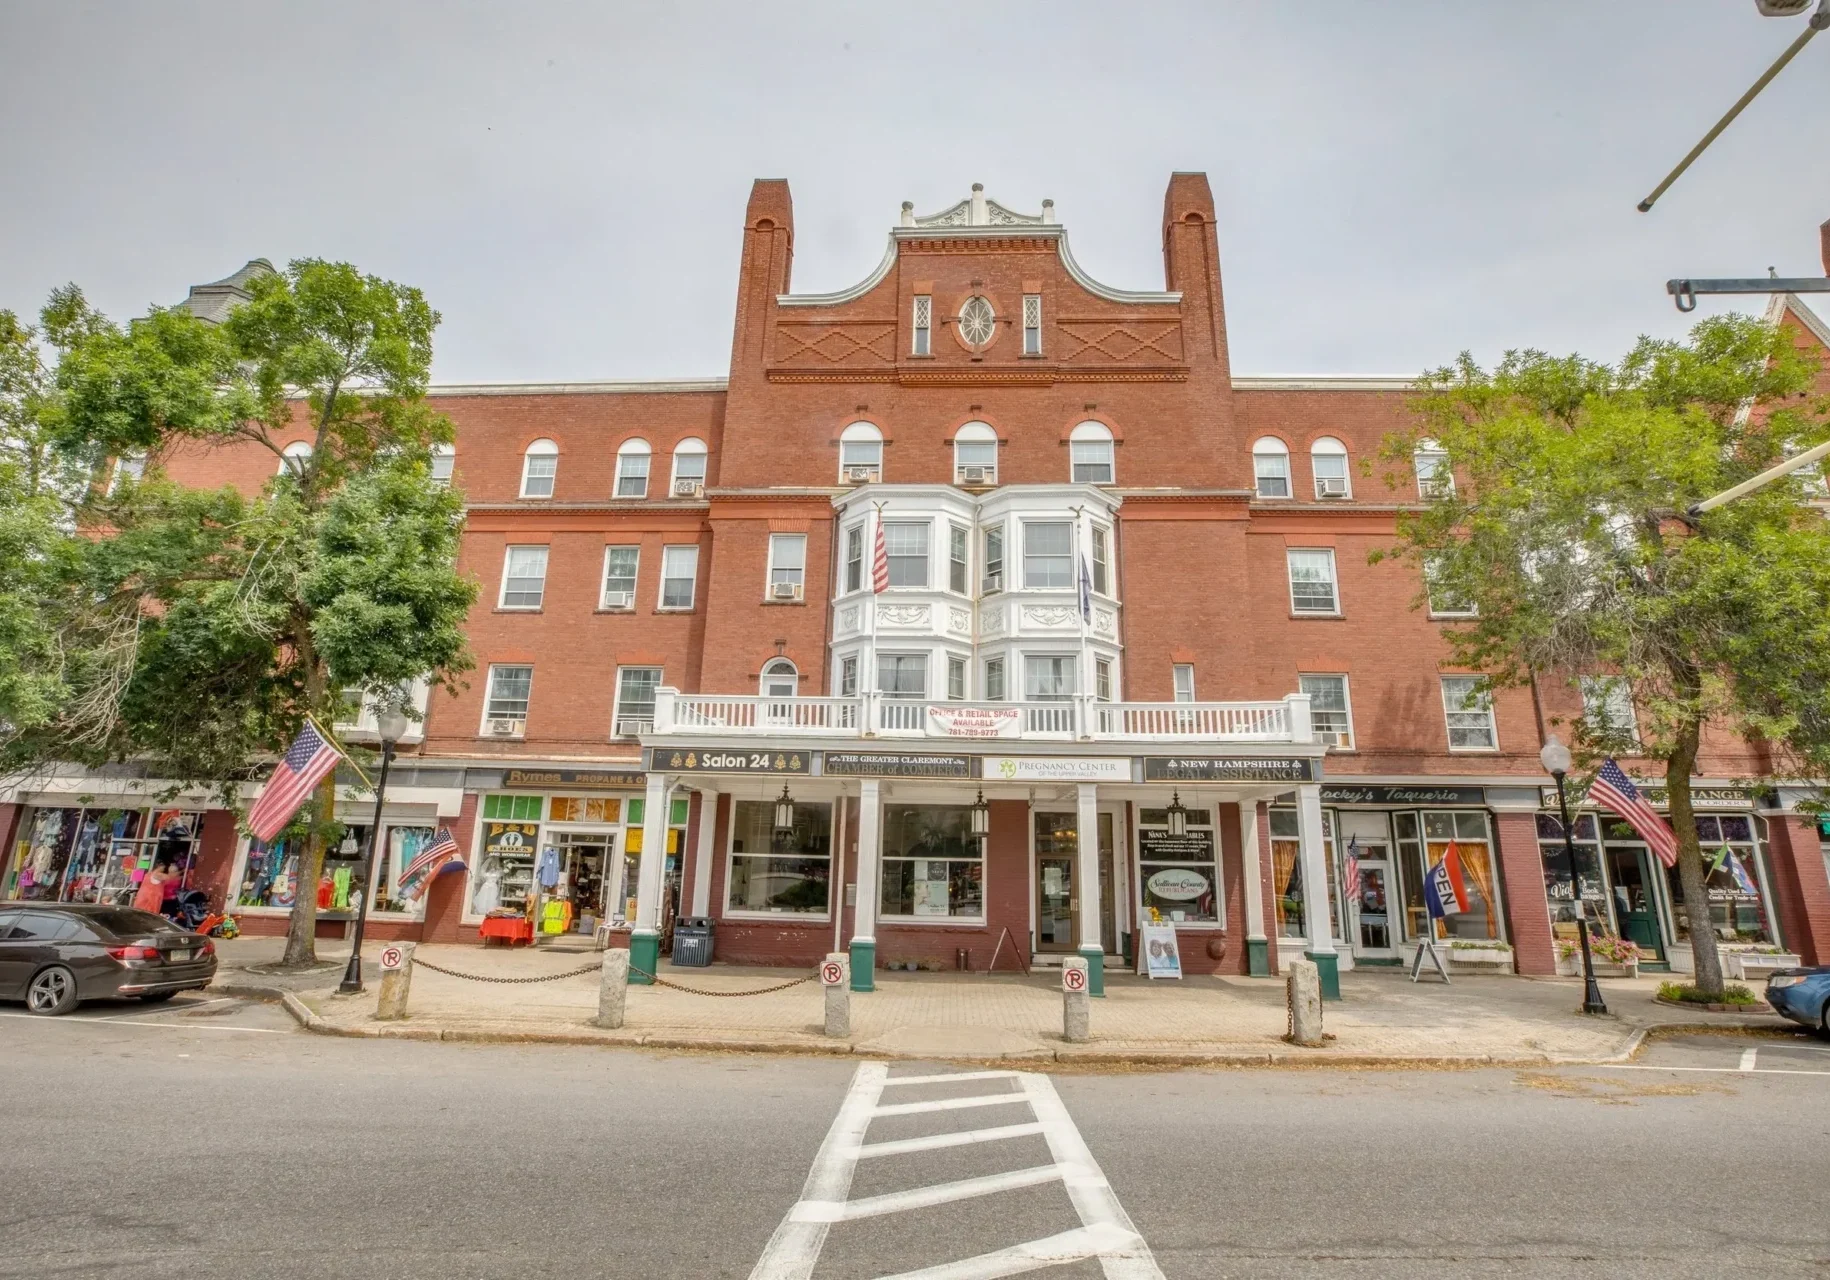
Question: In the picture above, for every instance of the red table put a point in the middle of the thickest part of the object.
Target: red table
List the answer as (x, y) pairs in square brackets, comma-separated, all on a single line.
[(513, 931)]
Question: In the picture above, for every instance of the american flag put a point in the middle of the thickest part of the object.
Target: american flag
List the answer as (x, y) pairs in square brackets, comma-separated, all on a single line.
[(439, 852), (305, 763), (1353, 870), (1613, 788), (880, 561)]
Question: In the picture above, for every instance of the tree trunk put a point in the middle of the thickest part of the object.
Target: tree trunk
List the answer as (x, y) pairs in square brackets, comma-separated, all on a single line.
[(302, 924), (1678, 767)]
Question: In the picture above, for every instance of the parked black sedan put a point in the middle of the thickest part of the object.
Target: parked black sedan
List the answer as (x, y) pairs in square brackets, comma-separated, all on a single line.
[(53, 955)]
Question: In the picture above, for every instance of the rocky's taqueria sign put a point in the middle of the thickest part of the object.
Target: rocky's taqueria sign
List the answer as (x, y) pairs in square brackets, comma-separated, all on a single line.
[(1229, 769), (727, 760), (1347, 793)]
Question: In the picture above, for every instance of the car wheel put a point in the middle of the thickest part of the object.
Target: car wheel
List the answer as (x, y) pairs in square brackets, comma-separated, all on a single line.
[(157, 997), (52, 992)]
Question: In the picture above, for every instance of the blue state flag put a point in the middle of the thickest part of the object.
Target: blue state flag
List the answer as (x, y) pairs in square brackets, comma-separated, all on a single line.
[(1086, 593)]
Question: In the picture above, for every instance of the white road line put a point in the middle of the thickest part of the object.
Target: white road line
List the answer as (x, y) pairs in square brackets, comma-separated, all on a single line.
[(111, 1022), (949, 1079), (935, 1141), (1093, 1197), (1748, 1058), (927, 1197), (1033, 1255), (796, 1244), (951, 1104), (1727, 1071)]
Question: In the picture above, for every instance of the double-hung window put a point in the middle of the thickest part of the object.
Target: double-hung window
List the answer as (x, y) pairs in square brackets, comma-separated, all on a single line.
[(524, 578), (854, 558), (1468, 707), (787, 565), (689, 468), (975, 455), (902, 675), (994, 679), (444, 459), (632, 461), (1102, 557), (1312, 588), (848, 676), (1444, 602), (1184, 675), (679, 572), (1271, 468), (956, 679), (957, 577), (907, 547), (1431, 463), (1032, 324), (1048, 678), (1090, 453), (860, 454), (1328, 465), (619, 576), (1607, 704), (1048, 554), (922, 324), (505, 710), (539, 467), (1329, 713), (994, 561), (635, 687), (1102, 679), (780, 872)]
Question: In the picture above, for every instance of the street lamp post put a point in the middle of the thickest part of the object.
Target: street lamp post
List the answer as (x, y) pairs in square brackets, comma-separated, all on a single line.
[(391, 722), (1555, 758)]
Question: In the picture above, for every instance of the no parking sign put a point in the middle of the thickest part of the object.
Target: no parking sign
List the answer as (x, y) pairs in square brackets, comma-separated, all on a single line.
[(392, 957), (1074, 978), (832, 973)]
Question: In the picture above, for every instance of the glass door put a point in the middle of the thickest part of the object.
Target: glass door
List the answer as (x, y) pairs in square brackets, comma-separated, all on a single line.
[(1057, 845), (1635, 912), (1376, 936)]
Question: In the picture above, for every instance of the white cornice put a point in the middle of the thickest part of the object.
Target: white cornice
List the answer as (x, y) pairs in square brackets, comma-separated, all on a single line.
[(857, 291), (1323, 382), (674, 386)]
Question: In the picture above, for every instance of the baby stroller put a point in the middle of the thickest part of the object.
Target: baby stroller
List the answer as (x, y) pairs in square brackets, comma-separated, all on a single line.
[(190, 909)]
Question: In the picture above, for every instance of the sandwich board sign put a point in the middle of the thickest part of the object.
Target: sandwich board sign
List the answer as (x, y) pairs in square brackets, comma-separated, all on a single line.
[(1157, 953)]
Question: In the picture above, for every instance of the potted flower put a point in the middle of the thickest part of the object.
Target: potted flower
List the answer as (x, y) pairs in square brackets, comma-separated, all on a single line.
[(1479, 955), (1752, 963), (1613, 957)]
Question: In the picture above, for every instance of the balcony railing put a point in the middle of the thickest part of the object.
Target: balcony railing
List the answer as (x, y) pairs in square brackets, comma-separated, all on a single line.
[(1078, 719)]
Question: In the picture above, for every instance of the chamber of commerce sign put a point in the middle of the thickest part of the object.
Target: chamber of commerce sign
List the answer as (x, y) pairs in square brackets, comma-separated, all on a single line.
[(894, 764), (1229, 769), (727, 760)]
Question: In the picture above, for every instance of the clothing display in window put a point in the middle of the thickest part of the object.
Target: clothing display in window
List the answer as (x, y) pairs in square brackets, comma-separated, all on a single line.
[(548, 868)]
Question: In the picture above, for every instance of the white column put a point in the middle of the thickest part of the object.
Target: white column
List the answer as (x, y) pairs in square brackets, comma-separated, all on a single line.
[(654, 857), (703, 852), (1315, 869), (1254, 869), (870, 846), (1086, 867)]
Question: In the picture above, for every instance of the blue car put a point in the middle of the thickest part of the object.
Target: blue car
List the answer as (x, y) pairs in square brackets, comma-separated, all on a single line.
[(1803, 995)]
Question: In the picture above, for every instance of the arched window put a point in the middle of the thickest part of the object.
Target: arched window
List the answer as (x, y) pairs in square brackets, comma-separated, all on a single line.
[(1271, 468), (780, 679), (975, 455), (1090, 453), (632, 458), (1431, 462), (443, 458), (1328, 463), (860, 454), (689, 468), (538, 468), (297, 457)]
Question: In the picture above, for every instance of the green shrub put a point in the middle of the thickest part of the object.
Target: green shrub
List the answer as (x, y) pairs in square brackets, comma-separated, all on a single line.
[(1733, 993)]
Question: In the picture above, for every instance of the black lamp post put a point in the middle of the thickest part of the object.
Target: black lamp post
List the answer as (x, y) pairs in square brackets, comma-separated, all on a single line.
[(391, 722), (1555, 758)]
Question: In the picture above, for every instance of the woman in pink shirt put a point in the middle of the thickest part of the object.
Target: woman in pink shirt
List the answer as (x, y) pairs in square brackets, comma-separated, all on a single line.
[(150, 896)]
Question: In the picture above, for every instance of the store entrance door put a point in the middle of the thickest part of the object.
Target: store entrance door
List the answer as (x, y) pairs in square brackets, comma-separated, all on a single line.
[(585, 872), (1635, 910), (1057, 895), (1376, 935)]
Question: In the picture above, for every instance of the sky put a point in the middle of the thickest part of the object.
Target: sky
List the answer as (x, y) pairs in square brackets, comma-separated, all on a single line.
[(1396, 182)]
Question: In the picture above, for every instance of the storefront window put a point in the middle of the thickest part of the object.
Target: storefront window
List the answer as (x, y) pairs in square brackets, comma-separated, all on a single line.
[(504, 878), (1177, 874), (1588, 869), (933, 867), (1737, 909), (396, 851), (269, 874), (1287, 896), (98, 855), (780, 871), (1467, 829)]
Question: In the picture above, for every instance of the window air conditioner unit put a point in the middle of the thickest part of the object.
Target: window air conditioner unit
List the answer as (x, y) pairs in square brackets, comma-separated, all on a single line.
[(503, 728), (633, 726), (993, 582), (1339, 741), (619, 599), (689, 488), (860, 475), (977, 475), (1331, 486), (785, 591)]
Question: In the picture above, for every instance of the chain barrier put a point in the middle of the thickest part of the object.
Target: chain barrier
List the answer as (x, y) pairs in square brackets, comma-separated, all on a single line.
[(598, 967), (700, 991), (481, 977)]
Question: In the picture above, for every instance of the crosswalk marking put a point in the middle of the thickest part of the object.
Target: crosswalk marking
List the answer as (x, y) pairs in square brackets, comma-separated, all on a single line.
[(1748, 1058), (1106, 1232)]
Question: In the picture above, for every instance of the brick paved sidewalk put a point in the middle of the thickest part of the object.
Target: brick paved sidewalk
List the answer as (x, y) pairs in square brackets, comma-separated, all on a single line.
[(1382, 1016)]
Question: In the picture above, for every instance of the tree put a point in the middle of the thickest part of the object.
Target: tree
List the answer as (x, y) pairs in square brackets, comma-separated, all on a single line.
[(251, 612), (1564, 532)]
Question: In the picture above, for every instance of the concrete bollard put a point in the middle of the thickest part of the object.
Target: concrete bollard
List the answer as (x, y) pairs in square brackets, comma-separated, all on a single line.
[(396, 981), (1076, 1001), (614, 989), (835, 976), (1303, 989)]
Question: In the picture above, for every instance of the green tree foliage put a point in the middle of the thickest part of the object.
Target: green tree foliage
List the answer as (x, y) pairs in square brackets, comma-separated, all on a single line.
[(221, 620), (1565, 532)]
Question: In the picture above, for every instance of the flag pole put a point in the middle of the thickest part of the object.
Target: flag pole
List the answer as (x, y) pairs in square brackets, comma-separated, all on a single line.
[(342, 750)]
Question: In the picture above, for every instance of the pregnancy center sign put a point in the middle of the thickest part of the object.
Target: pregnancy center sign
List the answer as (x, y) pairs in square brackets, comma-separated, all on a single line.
[(975, 722)]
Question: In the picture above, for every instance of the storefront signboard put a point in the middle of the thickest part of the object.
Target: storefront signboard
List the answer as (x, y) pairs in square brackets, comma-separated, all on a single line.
[(1178, 884), (575, 779), (1161, 957), (727, 760), (1058, 768), (897, 764), (1229, 769), (975, 722), (1660, 797), (510, 838), (1154, 844), (1347, 793)]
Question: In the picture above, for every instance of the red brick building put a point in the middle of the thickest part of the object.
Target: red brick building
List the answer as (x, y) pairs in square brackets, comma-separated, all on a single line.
[(973, 588)]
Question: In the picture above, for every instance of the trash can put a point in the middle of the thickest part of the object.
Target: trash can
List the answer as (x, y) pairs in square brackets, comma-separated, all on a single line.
[(692, 942)]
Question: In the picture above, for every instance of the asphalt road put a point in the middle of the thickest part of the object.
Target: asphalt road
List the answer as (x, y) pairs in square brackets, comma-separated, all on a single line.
[(205, 1141)]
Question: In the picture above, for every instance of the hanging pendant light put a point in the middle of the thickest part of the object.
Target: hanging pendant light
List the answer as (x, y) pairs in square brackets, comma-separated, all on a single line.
[(1177, 815), (981, 816), (784, 812)]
